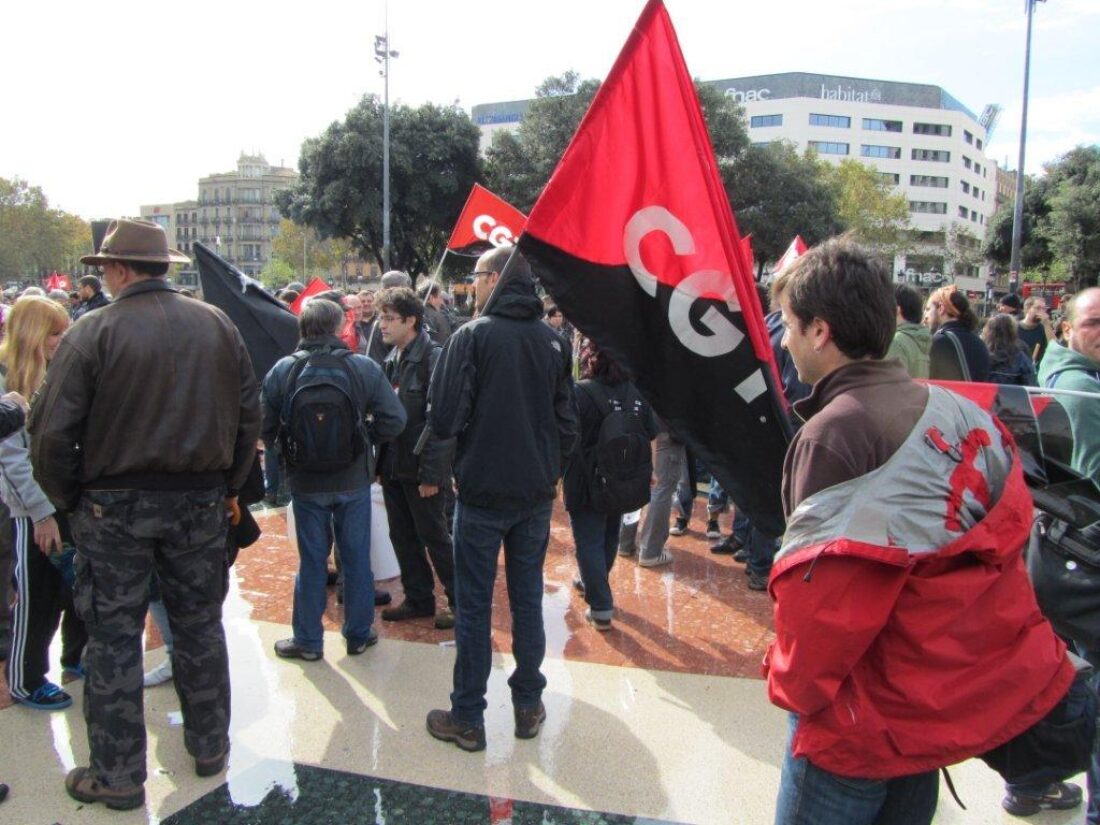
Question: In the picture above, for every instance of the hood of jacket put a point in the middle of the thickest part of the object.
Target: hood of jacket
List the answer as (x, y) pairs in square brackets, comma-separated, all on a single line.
[(919, 334), (1059, 358), (517, 299)]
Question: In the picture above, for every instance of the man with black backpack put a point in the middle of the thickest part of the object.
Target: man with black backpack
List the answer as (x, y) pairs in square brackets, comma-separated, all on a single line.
[(609, 476), (416, 466), (327, 407)]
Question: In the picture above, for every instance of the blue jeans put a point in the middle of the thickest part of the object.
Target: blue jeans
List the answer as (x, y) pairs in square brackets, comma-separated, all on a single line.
[(315, 516), (478, 534), (809, 795), (761, 548), (718, 500), (596, 536)]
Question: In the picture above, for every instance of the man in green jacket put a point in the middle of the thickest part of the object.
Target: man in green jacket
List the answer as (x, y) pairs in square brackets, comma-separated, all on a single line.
[(1076, 366), (912, 340)]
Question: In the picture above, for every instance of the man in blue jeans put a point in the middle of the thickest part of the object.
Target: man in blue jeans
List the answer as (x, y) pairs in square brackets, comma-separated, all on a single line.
[(504, 388), (333, 500)]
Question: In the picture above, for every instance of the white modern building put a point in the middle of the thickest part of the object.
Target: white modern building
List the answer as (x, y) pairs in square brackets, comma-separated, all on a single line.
[(924, 142)]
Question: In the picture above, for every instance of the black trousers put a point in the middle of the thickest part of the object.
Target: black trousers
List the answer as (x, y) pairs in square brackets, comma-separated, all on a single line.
[(418, 530), (40, 597)]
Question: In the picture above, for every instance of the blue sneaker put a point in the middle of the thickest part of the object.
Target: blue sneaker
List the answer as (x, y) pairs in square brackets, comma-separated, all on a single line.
[(47, 697), (71, 674)]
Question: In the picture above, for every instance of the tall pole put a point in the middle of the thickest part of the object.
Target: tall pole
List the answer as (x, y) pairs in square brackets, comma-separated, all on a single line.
[(1018, 207), (382, 54)]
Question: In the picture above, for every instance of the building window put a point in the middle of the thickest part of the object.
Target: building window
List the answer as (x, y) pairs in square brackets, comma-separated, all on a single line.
[(875, 124), (928, 180), (977, 168), (758, 121), (937, 155), (938, 129), (979, 144), (969, 138), (825, 147), (760, 144), (890, 178), (967, 163), (928, 207), (893, 152), (838, 121), (963, 212), (974, 215), (965, 187)]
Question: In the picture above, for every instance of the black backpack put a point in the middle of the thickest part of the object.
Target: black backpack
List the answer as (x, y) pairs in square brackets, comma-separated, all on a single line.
[(321, 426), (620, 464)]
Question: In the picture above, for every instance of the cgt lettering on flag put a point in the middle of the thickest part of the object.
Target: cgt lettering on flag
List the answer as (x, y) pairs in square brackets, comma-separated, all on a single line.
[(486, 228)]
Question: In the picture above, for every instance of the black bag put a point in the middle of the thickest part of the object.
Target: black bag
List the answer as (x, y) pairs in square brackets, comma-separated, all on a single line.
[(1064, 566), (1056, 747), (321, 421), (620, 465)]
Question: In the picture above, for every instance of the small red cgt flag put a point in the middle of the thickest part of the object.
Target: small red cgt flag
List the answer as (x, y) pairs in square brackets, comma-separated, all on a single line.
[(315, 287), (486, 220), (58, 281), (795, 251)]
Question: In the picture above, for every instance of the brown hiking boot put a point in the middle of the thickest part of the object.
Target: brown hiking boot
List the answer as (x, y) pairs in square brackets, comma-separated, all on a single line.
[(445, 727), (211, 765), (445, 619), (84, 786), (405, 611), (529, 721)]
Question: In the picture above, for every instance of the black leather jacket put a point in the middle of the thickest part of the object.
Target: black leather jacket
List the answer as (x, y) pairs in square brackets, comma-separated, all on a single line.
[(410, 372)]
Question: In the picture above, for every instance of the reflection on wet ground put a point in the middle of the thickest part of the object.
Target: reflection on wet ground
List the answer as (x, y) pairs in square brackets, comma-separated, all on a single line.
[(328, 796)]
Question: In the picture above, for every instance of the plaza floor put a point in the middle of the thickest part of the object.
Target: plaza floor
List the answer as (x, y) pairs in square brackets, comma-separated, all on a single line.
[(664, 719)]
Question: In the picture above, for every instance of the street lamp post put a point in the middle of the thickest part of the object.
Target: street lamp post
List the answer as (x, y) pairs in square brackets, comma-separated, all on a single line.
[(1018, 206), (382, 55)]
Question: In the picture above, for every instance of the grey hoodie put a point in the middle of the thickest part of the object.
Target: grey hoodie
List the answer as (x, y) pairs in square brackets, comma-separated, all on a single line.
[(18, 488)]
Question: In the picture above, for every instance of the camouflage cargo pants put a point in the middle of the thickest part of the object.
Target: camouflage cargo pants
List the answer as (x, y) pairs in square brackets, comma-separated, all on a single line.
[(123, 536)]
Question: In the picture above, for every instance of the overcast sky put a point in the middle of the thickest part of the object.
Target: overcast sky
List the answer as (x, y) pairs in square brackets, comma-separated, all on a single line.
[(108, 106)]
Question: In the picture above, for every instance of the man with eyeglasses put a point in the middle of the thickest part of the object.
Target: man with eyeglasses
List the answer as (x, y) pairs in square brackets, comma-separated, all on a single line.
[(504, 388)]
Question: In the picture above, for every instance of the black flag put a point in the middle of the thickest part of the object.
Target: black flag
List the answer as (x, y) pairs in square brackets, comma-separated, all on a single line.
[(268, 327)]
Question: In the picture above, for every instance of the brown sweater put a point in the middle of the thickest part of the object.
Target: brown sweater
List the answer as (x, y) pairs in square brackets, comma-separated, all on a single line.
[(856, 418)]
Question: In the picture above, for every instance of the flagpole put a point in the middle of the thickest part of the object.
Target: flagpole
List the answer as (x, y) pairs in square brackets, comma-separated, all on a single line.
[(439, 266)]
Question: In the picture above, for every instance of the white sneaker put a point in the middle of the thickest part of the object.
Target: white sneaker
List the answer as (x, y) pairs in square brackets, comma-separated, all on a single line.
[(160, 674)]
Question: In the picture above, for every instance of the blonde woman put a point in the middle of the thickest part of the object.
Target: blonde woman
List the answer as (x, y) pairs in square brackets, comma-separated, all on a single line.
[(34, 329)]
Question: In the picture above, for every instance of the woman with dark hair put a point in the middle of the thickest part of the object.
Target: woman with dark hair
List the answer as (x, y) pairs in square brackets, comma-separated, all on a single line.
[(1008, 363), (595, 507), (957, 353)]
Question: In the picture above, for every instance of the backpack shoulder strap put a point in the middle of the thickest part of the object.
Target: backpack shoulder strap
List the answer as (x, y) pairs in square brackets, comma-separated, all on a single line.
[(301, 358), (963, 364), (358, 388), (598, 393)]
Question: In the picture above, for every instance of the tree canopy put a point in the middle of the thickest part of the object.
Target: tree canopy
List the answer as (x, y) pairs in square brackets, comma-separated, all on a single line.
[(433, 164), (36, 239), (869, 207)]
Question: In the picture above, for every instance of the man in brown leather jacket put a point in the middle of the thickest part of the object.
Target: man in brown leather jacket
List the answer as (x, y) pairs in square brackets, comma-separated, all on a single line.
[(145, 429)]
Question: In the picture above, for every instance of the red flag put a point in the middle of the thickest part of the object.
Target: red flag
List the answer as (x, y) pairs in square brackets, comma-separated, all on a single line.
[(315, 287), (795, 251), (486, 220), (635, 239), (747, 256), (58, 281)]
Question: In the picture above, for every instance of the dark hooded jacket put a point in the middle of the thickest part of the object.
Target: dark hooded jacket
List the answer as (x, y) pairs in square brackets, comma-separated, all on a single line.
[(504, 387)]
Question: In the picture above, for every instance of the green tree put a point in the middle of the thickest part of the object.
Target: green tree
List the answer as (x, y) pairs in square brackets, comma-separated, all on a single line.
[(869, 207), (519, 164), (305, 255), (1073, 223), (777, 193), (35, 239), (1035, 252), (433, 164)]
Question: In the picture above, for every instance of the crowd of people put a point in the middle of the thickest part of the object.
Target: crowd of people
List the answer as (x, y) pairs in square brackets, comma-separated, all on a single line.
[(901, 603)]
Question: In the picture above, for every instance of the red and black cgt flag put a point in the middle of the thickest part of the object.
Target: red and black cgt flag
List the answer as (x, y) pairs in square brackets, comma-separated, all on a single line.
[(486, 221), (634, 238)]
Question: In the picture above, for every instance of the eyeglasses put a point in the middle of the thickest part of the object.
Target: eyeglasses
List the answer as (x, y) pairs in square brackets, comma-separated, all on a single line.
[(389, 319), (478, 273)]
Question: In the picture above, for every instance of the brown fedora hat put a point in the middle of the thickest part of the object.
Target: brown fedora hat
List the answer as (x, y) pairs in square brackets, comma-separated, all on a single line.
[(135, 240)]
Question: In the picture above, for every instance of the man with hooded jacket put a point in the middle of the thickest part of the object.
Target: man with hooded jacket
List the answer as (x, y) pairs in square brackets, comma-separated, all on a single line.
[(504, 388)]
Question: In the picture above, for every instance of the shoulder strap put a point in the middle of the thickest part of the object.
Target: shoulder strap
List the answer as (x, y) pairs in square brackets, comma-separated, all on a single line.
[(598, 393), (963, 365), (301, 358)]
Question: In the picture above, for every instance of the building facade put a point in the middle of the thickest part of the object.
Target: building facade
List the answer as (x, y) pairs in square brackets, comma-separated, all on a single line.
[(924, 143), (235, 215)]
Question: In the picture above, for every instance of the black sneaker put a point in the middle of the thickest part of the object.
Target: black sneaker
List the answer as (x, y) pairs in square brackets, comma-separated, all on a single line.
[(1058, 796), (713, 532), (354, 649), (446, 728), (382, 598), (757, 582), (741, 556), (405, 611), (679, 528), (729, 546), (445, 619), (529, 721), (290, 649)]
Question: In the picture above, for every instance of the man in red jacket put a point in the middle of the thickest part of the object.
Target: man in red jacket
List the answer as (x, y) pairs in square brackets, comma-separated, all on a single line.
[(907, 633)]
